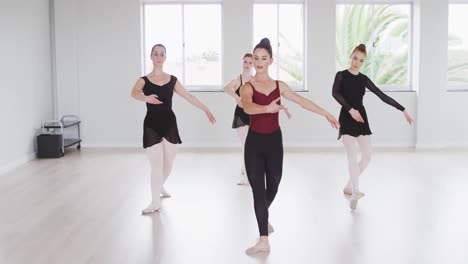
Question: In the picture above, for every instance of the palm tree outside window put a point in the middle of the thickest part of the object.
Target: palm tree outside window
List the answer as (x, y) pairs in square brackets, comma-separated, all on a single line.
[(386, 31)]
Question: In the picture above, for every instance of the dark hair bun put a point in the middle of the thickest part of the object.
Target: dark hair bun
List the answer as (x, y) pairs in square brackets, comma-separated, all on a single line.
[(265, 42)]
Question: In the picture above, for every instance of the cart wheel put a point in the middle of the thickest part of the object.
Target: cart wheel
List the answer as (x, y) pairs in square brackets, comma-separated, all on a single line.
[(79, 146)]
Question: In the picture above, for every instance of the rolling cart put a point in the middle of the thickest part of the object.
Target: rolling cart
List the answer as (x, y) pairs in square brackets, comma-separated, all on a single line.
[(71, 129), (57, 135)]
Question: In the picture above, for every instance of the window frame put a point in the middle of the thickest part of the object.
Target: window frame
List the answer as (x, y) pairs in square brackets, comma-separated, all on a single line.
[(276, 46), (182, 3), (455, 87), (408, 87)]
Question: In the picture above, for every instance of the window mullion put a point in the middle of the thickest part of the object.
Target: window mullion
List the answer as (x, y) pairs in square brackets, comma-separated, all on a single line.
[(278, 41), (372, 50), (183, 44)]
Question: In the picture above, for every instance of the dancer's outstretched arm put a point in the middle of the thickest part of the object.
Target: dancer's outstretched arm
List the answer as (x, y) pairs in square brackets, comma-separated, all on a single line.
[(307, 104), (180, 90), (387, 99)]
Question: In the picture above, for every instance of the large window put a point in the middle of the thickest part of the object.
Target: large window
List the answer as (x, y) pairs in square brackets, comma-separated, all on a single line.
[(386, 31), (283, 24), (192, 36), (458, 47)]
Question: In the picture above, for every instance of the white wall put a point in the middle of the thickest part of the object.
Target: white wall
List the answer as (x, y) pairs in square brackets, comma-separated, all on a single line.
[(455, 130), (25, 78), (432, 27), (98, 53), (66, 56), (100, 58)]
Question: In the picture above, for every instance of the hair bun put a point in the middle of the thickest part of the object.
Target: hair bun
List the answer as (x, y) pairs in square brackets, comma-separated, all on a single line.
[(265, 44), (265, 41)]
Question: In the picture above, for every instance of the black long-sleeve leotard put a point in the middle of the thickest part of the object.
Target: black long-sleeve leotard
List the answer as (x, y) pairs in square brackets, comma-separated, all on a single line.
[(349, 90)]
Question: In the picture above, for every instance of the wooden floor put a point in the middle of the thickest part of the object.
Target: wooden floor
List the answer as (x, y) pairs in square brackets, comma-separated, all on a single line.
[(85, 208)]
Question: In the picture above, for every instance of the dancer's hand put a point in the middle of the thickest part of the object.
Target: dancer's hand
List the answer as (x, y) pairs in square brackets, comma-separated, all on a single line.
[(332, 120), (274, 107), (408, 117), (152, 99), (356, 115), (211, 117)]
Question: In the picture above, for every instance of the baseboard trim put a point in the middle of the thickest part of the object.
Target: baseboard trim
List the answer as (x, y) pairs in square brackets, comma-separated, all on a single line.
[(293, 147), (16, 163)]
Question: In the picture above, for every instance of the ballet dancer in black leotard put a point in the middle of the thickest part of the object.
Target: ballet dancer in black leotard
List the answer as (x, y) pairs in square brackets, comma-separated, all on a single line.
[(264, 147), (160, 133), (349, 89), (241, 119)]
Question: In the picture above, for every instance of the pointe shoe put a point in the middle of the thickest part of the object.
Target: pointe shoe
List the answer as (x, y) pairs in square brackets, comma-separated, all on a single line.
[(348, 191), (270, 229), (354, 200), (150, 209), (261, 246), (164, 193)]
